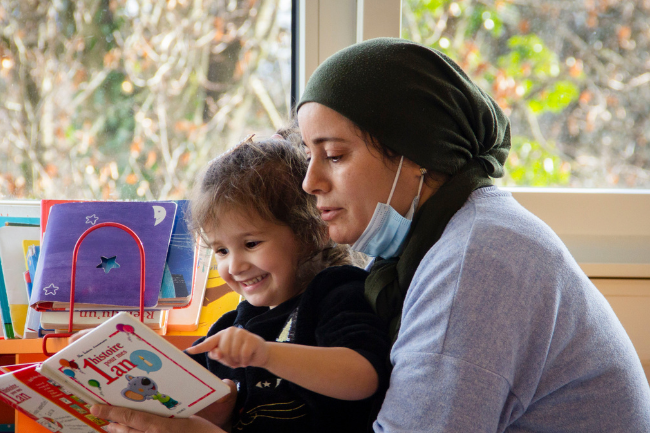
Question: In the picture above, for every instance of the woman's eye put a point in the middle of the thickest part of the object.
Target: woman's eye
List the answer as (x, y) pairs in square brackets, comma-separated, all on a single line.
[(334, 158), (252, 244)]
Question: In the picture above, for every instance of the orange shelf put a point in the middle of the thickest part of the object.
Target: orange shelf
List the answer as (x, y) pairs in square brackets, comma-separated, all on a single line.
[(14, 347)]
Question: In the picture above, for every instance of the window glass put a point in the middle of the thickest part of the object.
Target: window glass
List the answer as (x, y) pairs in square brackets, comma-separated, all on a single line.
[(127, 99), (574, 77)]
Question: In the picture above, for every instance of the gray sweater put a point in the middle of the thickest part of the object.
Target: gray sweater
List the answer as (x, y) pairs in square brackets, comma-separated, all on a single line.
[(502, 331)]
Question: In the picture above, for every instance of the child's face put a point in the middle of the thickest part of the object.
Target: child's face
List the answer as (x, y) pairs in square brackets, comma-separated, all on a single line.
[(258, 259)]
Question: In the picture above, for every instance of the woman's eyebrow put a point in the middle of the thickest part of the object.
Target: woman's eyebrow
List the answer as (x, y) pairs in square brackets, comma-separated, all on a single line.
[(321, 140)]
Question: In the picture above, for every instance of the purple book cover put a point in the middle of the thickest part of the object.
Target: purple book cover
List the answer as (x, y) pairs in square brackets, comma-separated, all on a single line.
[(108, 261)]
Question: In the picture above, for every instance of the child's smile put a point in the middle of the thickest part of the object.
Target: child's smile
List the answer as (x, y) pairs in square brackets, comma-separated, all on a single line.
[(258, 259), (254, 280)]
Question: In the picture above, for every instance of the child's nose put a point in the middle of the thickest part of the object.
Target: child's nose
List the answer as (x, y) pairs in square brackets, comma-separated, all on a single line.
[(238, 264)]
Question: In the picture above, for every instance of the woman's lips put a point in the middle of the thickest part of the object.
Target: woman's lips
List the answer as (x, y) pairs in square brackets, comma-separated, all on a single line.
[(328, 214)]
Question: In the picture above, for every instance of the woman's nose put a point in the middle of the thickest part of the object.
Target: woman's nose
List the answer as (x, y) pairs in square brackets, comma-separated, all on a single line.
[(315, 182)]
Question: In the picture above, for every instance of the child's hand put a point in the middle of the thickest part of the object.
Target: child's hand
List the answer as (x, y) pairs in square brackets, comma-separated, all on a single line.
[(234, 347), (78, 335)]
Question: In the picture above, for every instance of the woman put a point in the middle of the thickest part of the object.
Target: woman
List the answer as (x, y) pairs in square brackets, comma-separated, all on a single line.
[(495, 326)]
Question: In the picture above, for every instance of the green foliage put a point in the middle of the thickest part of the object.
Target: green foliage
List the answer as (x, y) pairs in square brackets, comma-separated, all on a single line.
[(529, 56), (492, 42), (531, 164), (555, 98), (119, 124)]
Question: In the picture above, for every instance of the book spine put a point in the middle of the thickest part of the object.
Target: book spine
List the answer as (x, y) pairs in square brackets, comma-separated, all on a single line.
[(91, 318)]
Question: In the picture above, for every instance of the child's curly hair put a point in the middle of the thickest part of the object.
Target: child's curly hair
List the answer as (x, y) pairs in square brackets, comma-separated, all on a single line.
[(265, 177)]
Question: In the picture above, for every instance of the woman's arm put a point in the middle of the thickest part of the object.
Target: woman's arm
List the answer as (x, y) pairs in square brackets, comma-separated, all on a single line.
[(336, 372)]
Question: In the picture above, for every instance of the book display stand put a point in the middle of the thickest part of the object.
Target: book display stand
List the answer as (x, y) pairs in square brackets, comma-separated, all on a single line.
[(74, 270), (33, 350)]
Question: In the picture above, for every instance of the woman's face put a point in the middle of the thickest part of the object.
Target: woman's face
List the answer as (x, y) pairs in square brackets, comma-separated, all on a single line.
[(347, 176)]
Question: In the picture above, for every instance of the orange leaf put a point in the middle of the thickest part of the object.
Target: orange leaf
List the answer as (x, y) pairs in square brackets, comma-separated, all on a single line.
[(585, 97), (151, 159), (524, 26)]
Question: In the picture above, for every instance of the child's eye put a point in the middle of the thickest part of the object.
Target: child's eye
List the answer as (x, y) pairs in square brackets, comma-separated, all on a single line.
[(221, 251), (335, 158), (252, 244)]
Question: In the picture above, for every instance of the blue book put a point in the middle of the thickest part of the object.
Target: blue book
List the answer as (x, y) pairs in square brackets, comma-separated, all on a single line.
[(179, 272)]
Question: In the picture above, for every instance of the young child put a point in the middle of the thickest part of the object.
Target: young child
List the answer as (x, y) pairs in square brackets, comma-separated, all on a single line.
[(312, 350)]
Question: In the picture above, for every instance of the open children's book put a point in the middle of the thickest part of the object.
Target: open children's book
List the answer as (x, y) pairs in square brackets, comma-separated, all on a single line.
[(121, 363)]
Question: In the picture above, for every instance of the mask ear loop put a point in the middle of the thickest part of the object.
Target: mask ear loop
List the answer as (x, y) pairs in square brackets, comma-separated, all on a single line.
[(416, 200), (392, 190), (423, 171)]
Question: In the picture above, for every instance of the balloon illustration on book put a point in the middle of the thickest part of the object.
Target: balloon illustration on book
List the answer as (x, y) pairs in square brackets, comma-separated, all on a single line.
[(71, 364), (69, 373), (145, 360), (128, 329), (94, 383)]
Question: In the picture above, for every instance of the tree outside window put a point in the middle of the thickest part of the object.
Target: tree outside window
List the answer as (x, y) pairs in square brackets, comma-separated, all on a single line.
[(128, 99), (574, 77)]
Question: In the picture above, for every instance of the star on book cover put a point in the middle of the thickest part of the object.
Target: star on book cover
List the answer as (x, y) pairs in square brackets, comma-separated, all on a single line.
[(108, 260)]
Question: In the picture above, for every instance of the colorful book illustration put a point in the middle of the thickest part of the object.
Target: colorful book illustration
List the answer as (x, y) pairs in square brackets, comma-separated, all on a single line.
[(32, 323), (33, 328), (84, 319), (28, 213), (180, 260), (108, 261), (13, 262), (47, 402), (124, 363), (187, 318), (218, 299)]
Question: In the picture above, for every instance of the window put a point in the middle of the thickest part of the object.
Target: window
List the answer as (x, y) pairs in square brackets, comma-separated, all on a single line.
[(572, 76), (127, 99)]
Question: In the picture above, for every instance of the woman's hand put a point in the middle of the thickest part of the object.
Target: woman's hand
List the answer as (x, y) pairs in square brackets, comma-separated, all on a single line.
[(220, 412), (234, 347), (133, 421)]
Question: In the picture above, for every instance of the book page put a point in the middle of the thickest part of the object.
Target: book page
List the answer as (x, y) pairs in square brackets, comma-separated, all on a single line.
[(123, 363)]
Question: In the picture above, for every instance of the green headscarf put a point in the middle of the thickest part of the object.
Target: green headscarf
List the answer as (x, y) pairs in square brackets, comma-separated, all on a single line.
[(418, 103)]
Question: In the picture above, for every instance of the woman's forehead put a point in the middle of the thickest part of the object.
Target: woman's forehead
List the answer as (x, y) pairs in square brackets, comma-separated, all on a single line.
[(317, 121)]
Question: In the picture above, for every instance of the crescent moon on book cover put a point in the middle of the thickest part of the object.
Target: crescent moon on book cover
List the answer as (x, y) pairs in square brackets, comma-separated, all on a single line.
[(159, 213)]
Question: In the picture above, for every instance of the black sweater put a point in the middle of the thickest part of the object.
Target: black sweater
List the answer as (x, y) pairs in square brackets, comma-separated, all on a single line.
[(332, 312)]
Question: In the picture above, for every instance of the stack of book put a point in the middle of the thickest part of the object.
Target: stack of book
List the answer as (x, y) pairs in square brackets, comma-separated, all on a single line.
[(36, 262)]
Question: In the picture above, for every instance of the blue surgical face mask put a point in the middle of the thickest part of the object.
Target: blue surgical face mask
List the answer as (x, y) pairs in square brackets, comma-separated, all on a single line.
[(385, 234)]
